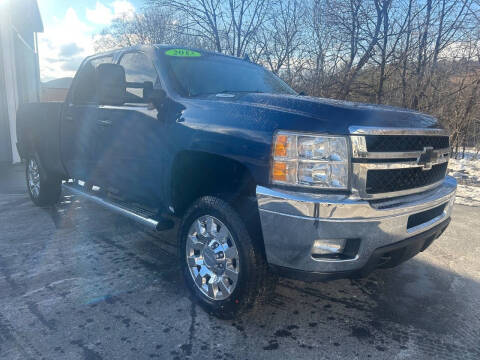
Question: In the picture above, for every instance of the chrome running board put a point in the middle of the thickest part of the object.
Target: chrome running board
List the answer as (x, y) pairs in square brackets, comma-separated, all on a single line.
[(145, 218)]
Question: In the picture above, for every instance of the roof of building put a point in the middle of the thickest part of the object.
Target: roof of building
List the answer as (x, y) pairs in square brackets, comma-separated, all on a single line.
[(25, 15)]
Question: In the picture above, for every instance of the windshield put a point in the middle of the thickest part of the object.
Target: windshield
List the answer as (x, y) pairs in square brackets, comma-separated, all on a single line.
[(199, 76)]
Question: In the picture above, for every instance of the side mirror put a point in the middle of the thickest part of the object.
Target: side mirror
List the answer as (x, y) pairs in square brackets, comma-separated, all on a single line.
[(154, 96), (111, 84), (147, 87)]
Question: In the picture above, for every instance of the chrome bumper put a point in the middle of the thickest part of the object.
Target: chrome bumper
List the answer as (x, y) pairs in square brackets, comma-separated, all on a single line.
[(292, 221)]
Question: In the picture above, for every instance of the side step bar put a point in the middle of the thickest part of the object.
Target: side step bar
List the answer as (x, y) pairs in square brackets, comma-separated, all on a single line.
[(154, 224)]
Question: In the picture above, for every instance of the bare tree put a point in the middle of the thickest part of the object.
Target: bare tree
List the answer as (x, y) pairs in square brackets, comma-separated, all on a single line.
[(230, 26), (149, 27), (246, 17), (204, 17), (358, 26), (281, 36)]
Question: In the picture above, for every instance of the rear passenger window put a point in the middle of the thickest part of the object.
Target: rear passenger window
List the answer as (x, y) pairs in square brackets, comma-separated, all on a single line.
[(138, 69), (84, 91)]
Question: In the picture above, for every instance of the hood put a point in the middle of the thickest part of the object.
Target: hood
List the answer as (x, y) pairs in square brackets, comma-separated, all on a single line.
[(335, 115)]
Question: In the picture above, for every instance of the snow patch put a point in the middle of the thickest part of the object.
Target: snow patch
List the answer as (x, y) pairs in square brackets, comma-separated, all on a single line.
[(467, 173)]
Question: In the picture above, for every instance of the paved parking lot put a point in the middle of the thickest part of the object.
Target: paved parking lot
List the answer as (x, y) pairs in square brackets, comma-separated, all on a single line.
[(77, 282)]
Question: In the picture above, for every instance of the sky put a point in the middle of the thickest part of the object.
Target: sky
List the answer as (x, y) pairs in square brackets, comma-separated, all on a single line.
[(70, 28)]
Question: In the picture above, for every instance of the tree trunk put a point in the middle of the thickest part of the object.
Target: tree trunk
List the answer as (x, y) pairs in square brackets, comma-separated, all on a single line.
[(405, 55), (422, 57), (381, 81)]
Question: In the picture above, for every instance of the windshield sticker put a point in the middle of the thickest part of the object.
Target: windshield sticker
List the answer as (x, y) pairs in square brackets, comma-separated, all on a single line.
[(182, 53)]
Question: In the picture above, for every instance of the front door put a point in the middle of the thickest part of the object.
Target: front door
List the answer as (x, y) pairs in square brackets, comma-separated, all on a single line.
[(79, 122), (131, 143)]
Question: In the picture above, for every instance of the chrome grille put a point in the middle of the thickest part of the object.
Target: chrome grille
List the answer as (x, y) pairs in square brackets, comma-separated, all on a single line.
[(384, 181), (381, 143), (391, 162)]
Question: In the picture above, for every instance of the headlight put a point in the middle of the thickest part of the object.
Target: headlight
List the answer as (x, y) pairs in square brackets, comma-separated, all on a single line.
[(308, 160)]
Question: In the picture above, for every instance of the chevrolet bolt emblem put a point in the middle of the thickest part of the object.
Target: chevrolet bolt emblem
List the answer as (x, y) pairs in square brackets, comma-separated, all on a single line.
[(427, 158)]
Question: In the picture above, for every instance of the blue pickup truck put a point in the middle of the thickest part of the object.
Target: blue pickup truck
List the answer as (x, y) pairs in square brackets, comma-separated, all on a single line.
[(262, 180)]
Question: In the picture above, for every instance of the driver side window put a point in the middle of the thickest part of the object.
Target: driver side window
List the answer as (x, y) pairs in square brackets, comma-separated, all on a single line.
[(85, 91), (138, 69)]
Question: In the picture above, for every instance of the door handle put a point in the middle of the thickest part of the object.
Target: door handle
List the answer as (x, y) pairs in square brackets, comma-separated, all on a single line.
[(105, 122), (69, 117)]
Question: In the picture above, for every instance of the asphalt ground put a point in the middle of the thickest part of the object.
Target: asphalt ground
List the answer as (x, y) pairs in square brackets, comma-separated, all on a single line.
[(77, 282)]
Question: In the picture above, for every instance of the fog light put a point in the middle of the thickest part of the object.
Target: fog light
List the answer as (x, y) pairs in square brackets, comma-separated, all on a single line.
[(328, 246)]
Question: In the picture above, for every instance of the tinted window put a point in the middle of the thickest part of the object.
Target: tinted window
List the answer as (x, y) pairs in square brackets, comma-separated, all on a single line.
[(138, 69), (198, 76), (85, 91)]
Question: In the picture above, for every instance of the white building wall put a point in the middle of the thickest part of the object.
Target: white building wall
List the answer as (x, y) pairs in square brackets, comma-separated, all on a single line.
[(9, 70)]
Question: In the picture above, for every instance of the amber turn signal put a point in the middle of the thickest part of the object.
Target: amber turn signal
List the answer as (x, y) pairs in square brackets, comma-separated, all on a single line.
[(281, 144), (279, 172)]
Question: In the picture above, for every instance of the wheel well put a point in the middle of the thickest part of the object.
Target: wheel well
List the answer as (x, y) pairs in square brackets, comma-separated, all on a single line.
[(197, 174)]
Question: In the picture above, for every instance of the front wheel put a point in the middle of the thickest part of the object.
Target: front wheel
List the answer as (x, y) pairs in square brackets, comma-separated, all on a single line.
[(43, 190), (223, 268)]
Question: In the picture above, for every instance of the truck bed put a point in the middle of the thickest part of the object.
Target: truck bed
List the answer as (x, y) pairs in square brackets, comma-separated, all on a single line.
[(38, 132)]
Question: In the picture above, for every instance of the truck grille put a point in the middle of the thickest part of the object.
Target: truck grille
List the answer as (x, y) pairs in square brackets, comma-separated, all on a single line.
[(404, 143), (385, 181), (393, 162)]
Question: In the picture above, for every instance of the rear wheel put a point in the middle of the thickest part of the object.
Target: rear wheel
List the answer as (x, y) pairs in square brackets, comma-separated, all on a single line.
[(43, 190), (222, 266)]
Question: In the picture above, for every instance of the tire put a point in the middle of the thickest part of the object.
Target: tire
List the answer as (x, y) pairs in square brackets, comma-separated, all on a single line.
[(44, 190), (242, 258)]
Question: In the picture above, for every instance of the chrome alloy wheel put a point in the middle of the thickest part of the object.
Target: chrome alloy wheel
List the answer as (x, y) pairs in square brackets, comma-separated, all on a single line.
[(33, 178), (212, 257)]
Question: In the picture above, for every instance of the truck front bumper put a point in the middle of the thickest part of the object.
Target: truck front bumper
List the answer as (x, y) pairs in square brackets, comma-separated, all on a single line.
[(380, 233)]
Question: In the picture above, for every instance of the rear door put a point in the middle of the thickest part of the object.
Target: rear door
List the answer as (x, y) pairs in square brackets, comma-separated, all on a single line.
[(130, 158), (79, 122)]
